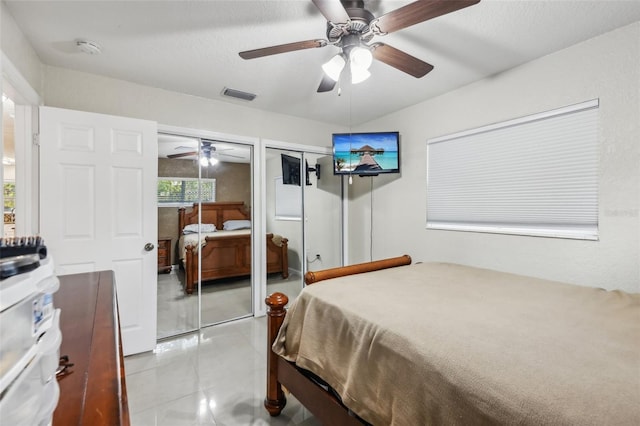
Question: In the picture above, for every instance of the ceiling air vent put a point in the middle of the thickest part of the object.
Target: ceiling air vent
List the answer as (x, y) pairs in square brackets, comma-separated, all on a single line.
[(238, 94)]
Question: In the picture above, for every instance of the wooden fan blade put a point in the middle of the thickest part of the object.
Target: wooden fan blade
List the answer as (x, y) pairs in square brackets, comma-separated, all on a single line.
[(400, 60), (333, 10), (182, 154), (282, 48), (417, 12), (327, 84)]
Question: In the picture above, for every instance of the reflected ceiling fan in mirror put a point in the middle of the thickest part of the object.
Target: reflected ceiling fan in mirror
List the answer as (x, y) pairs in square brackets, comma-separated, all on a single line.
[(208, 153), (351, 28)]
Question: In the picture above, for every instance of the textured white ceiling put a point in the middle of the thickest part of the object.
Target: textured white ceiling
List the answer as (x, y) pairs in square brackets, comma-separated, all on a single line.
[(192, 47), (227, 152)]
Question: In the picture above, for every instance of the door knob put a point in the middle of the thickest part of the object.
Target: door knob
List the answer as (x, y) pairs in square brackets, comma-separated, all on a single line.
[(148, 247)]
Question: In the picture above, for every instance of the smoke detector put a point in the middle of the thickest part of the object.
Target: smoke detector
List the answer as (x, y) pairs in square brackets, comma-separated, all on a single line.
[(89, 47)]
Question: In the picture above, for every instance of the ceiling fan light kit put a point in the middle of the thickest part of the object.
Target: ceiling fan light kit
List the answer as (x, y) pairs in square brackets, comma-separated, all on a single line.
[(361, 57), (360, 60), (351, 27), (359, 74), (334, 67), (208, 161)]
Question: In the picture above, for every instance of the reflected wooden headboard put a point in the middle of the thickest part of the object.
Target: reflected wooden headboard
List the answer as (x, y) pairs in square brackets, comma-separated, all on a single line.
[(216, 213)]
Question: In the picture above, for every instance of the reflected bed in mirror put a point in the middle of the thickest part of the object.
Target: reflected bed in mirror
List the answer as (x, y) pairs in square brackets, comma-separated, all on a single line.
[(224, 254)]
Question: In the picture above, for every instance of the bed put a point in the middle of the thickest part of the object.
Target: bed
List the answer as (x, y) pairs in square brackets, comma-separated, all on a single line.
[(224, 254), (469, 346)]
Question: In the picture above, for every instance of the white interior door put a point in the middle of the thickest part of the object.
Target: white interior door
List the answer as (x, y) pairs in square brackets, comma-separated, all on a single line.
[(98, 208)]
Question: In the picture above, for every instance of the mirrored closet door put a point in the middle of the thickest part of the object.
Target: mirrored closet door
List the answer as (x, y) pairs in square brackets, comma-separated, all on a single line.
[(283, 206), (303, 209), (204, 229), (178, 181), (225, 255)]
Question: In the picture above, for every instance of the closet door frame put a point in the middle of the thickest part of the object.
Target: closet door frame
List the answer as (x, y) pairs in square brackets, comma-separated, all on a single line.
[(26, 101), (258, 199)]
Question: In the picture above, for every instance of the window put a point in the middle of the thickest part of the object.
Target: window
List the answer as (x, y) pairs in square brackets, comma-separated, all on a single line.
[(536, 175), (9, 189), (185, 191), (288, 201)]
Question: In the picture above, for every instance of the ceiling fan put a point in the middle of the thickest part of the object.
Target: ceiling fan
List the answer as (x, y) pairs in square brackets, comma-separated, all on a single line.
[(351, 27), (208, 153)]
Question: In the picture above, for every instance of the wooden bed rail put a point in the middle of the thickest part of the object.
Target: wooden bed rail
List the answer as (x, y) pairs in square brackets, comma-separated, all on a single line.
[(279, 371), (315, 276)]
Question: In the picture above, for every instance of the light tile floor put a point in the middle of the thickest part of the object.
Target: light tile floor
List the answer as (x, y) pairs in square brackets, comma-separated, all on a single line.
[(222, 300), (216, 376), (213, 377)]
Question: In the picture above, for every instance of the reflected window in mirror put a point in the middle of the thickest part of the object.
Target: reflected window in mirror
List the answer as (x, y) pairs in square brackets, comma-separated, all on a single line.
[(185, 191)]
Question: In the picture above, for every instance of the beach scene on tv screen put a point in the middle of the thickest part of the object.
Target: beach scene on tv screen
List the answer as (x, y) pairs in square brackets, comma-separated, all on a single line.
[(370, 152)]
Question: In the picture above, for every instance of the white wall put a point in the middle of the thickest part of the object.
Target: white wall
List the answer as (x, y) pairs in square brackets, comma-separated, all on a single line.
[(323, 210), (606, 67), (71, 89), (18, 49)]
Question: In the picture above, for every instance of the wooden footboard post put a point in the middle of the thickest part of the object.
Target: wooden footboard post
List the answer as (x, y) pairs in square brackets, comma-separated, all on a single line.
[(275, 400), (190, 260)]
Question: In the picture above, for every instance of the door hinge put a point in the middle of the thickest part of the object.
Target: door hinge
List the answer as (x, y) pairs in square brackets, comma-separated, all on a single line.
[(36, 139)]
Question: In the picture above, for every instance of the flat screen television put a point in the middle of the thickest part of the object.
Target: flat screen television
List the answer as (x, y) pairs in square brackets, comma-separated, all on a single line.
[(291, 167), (366, 154)]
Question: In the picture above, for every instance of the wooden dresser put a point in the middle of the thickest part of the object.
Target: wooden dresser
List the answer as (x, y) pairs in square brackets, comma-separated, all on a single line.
[(94, 392)]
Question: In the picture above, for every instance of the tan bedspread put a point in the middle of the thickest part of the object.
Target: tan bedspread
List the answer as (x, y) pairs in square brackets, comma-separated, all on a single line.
[(192, 239), (443, 344)]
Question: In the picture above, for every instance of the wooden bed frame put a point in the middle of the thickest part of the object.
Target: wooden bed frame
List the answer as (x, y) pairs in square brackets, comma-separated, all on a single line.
[(280, 372), (226, 256)]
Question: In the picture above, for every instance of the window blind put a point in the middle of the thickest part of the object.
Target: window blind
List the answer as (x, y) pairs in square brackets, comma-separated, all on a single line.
[(288, 201), (535, 175)]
